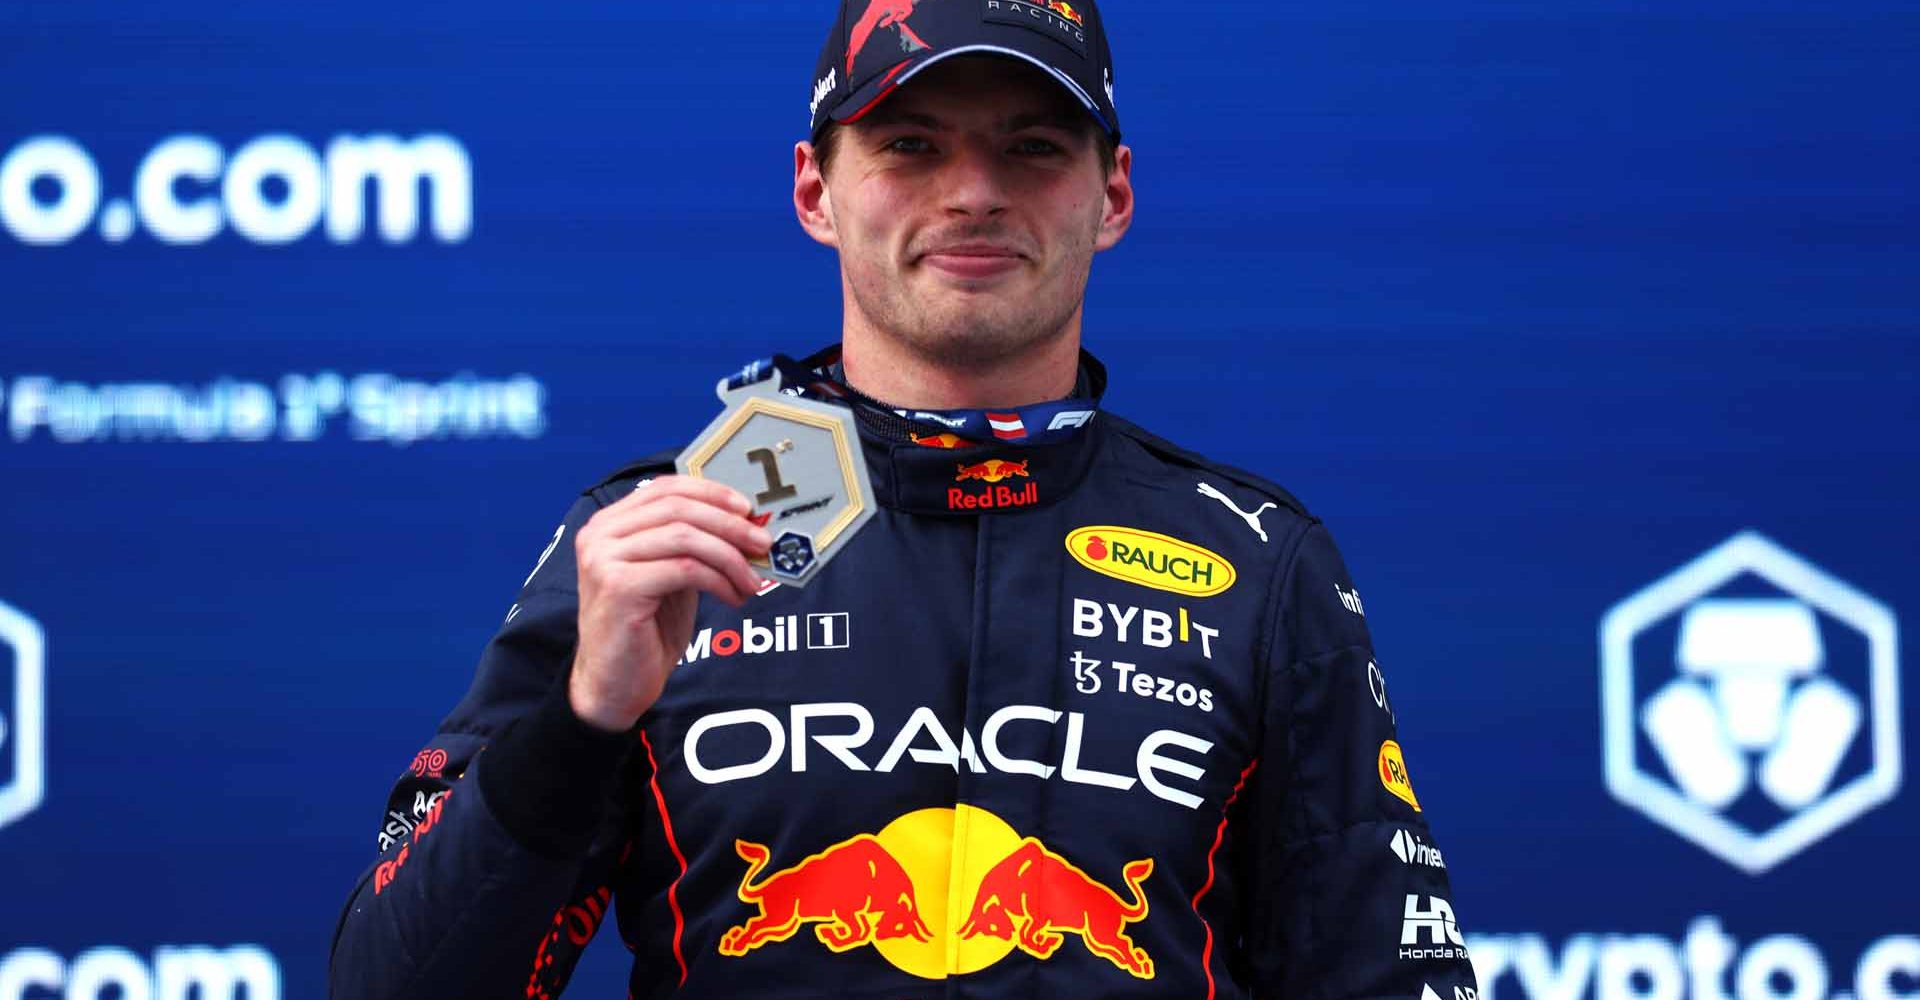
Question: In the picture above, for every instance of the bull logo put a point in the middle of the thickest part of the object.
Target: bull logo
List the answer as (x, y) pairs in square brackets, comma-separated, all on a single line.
[(911, 892), (1037, 895), (855, 892), (884, 14)]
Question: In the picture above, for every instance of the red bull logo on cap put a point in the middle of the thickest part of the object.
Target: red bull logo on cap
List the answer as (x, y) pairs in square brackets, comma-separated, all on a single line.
[(908, 891)]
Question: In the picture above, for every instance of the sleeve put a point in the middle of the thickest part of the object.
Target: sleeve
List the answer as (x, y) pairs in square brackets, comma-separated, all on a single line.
[(482, 854), (1347, 891)]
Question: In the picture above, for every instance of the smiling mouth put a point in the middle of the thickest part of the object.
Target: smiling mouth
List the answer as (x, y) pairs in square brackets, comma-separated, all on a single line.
[(973, 262)]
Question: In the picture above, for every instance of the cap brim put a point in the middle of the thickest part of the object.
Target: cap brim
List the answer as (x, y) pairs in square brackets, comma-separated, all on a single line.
[(860, 102)]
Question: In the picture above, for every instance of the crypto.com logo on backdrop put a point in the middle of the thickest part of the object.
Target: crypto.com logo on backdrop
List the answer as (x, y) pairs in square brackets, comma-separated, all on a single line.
[(1751, 715), (272, 190), (23, 684)]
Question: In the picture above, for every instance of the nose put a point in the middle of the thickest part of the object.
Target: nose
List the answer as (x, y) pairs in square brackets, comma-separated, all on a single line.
[(973, 182)]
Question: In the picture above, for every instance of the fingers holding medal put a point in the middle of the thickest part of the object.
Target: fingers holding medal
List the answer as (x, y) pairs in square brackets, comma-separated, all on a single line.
[(702, 530), (643, 562)]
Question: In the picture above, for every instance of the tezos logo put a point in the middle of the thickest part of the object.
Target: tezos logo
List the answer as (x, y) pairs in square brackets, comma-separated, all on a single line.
[(1751, 702), (1150, 559), (23, 682)]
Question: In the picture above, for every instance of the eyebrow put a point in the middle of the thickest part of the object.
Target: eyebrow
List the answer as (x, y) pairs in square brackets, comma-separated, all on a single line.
[(1064, 120)]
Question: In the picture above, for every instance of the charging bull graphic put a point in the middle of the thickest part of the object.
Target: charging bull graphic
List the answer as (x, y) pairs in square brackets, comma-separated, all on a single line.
[(855, 891), (905, 891), (884, 14), (992, 470), (1039, 894)]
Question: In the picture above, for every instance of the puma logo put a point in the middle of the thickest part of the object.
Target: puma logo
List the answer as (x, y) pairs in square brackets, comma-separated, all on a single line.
[(1253, 519)]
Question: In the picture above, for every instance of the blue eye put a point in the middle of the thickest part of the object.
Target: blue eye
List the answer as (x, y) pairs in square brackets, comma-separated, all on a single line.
[(909, 144)]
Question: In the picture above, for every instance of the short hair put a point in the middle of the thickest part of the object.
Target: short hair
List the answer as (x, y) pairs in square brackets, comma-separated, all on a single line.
[(828, 144)]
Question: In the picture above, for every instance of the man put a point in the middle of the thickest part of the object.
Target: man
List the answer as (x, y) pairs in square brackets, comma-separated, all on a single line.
[(1078, 713)]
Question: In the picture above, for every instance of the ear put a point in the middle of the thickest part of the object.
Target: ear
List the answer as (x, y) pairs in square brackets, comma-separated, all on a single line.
[(811, 202), (1119, 201)]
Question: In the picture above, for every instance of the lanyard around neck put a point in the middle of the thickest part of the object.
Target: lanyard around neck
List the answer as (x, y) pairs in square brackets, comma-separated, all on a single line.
[(1037, 423)]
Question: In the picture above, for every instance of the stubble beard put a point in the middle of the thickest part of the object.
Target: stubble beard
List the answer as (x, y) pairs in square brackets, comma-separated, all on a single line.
[(982, 330)]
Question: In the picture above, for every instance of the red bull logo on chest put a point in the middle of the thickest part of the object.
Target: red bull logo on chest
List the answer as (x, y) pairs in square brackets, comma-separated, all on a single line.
[(993, 470), (853, 893), (944, 892)]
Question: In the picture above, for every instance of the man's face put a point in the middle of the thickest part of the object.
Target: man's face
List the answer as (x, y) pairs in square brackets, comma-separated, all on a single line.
[(967, 208)]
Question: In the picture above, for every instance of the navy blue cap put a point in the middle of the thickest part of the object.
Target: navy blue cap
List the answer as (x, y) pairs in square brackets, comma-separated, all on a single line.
[(877, 45)]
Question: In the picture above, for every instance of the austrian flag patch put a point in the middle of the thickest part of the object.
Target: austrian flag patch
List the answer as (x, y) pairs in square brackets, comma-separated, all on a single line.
[(1007, 426)]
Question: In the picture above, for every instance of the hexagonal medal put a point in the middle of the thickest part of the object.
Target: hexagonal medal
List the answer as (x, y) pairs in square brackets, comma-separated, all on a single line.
[(799, 461)]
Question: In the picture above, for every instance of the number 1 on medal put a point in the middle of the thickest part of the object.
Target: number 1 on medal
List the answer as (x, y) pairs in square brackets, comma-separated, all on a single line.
[(776, 489)]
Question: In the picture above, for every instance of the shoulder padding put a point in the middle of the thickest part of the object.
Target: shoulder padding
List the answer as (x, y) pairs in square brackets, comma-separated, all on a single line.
[(657, 464), (1175, 455)]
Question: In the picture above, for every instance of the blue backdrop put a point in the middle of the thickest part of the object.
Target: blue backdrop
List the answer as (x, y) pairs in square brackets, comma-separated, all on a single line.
[(313, 319)]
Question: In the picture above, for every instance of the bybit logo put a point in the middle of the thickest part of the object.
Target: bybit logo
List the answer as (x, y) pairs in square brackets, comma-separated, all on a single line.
[(1719, 675), (272, 190)]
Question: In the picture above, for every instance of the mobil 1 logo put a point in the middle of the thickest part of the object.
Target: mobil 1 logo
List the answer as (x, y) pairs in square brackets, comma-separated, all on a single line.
[(780, 634), (22, 714)]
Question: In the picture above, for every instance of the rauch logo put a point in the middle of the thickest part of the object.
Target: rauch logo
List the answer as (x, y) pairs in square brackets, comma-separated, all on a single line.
[(1150, 559)]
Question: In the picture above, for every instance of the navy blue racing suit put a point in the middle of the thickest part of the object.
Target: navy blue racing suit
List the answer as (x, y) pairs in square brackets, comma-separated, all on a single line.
[(1092, 718)]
